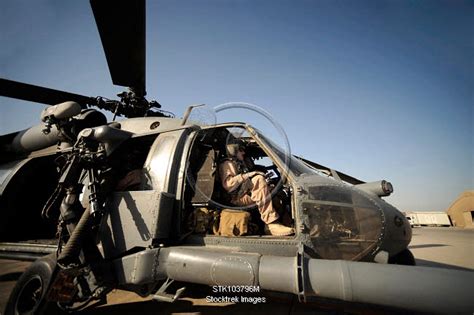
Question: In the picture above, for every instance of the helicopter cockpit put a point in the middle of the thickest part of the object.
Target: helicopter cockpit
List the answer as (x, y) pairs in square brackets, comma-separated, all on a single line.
[(206, 200), (343, 222)]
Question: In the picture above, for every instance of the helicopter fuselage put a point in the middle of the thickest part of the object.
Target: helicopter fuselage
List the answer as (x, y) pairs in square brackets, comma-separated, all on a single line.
[(332, 219), (145, 236)]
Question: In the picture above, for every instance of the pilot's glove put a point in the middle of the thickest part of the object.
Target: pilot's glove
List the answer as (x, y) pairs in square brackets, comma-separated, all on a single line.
[(252, 174)]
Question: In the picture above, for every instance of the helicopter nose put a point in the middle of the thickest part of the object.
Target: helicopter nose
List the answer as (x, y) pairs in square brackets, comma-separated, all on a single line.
[(397, 230)]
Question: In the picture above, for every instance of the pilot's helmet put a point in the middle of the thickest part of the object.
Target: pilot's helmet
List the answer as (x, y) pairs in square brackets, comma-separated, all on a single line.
[(233, 148)]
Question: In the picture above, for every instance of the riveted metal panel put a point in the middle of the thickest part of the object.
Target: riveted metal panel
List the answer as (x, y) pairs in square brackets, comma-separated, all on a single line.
[(129, 222)]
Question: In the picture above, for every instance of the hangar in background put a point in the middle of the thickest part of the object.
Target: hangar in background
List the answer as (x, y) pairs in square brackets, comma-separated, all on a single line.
[(461, 211)]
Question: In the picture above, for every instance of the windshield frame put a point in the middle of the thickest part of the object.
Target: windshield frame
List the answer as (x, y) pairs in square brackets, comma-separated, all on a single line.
[(290, 162)]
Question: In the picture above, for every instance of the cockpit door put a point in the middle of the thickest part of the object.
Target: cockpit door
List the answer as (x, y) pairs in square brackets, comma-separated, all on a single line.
[(137, 217)]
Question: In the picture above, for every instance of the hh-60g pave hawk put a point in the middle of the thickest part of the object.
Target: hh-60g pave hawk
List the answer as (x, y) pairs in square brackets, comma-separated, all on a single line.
[(136, 204)]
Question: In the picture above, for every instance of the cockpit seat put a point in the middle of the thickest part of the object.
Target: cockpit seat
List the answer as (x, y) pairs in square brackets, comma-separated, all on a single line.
[(203, 181)]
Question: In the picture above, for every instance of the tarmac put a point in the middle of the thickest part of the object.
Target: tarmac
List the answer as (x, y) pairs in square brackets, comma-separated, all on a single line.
[(438, 247), (443, 247)]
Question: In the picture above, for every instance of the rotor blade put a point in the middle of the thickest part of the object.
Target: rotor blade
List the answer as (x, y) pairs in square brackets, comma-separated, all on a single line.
[(121, 26), (39, 94)]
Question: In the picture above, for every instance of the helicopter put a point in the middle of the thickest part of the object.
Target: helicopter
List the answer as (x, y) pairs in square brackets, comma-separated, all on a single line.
[(125, 201)]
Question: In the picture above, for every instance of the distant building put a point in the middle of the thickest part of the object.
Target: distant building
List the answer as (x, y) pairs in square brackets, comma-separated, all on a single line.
[(427, 218), (461, 211)]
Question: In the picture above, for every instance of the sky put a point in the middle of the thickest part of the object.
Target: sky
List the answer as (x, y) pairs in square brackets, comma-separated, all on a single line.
[(375, 89)]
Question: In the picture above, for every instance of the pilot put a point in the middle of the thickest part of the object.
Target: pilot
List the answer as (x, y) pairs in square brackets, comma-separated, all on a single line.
[(247, 187)]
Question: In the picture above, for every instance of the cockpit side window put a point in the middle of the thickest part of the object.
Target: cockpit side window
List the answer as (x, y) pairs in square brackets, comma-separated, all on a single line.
[(128, 162)]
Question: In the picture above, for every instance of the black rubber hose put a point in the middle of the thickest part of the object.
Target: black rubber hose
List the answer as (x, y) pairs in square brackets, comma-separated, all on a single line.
[(71, 250)]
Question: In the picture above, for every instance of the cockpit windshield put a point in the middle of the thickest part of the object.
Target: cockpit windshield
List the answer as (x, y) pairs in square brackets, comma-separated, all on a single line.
[(296, 166)]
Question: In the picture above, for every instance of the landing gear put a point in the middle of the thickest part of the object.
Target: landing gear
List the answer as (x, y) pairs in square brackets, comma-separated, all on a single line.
[(405, 257), (28, 295)]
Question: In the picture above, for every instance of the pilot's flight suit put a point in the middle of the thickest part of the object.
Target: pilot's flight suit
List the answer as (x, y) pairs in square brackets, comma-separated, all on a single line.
[(234, 179)]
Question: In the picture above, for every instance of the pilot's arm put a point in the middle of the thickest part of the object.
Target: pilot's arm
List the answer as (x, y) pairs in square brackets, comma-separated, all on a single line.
[(230, 178)]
